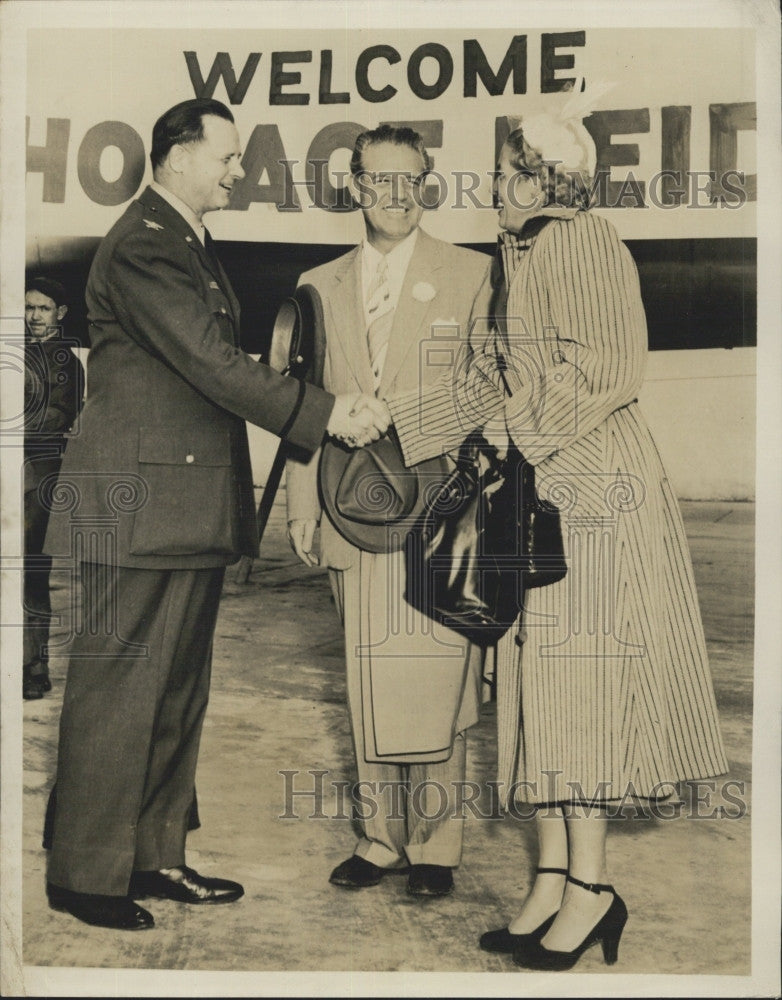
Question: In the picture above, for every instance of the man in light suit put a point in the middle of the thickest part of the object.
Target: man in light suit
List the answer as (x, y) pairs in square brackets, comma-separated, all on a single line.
[(155, 498), (413, 689)]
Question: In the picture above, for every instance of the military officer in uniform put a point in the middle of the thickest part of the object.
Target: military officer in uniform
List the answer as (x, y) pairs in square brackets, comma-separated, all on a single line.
[(162, 459)]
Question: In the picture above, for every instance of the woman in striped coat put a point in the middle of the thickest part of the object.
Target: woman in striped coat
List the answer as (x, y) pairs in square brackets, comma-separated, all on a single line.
[(604, 691)]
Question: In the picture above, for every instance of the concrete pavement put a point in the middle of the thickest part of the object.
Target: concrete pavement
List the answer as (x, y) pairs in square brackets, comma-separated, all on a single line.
[(278, 704)]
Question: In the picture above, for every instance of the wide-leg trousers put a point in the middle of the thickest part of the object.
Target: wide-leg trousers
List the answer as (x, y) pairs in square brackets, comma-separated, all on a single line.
[(133, 709), (410, 812)]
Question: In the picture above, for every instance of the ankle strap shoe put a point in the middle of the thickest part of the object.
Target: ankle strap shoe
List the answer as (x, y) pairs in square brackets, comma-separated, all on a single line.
[(504, 942), (607, 932)]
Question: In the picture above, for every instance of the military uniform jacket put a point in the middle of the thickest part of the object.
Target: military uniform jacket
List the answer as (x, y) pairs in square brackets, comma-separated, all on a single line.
[(161, 461), (53, 390)]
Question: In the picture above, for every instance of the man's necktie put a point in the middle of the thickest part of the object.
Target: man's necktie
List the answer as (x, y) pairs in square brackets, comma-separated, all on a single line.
[(380, 314)]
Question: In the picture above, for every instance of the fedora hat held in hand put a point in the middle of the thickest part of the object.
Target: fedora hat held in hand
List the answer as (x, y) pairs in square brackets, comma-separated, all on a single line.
[(369, 495)]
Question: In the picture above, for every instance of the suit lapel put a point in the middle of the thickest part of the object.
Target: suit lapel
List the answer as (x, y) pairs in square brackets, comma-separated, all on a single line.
[(213, 266), (347, 318), (167, 217), (212, 262), (412, 312)]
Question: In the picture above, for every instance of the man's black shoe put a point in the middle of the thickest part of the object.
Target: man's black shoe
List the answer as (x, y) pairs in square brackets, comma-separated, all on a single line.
[(119, 913), (183, 885), (32, 689), (356, 873), (430, 880)]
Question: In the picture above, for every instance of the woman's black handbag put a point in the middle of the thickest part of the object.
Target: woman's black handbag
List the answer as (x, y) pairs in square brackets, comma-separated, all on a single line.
[(484, 538)]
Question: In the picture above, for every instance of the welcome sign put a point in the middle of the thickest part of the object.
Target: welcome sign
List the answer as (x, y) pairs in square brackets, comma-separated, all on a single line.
[(675, 153)]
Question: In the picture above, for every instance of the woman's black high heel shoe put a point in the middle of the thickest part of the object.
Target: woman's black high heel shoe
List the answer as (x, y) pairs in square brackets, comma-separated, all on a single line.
[(608, 931), (503, 942)]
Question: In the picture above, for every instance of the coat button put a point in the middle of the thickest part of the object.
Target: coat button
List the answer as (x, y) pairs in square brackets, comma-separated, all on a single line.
[(223, 309), (190, 459)]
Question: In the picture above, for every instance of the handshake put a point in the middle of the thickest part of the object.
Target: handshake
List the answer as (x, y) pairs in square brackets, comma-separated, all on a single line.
[(358, 419)]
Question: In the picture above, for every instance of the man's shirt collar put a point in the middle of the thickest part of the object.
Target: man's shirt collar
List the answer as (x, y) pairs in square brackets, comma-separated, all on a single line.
[(397, 259), (184, 210)]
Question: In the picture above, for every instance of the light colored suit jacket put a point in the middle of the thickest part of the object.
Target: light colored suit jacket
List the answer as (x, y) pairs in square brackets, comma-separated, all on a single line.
[(445, 287)]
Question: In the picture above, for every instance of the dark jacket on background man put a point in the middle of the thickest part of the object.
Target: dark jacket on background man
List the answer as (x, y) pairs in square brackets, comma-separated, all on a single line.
[(53, 390)]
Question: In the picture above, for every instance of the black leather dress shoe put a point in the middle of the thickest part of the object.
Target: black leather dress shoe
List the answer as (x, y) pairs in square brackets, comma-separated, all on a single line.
[(183, 885), (356, 873), (35, 686), (119, 913), (32, 689), (430, 880)]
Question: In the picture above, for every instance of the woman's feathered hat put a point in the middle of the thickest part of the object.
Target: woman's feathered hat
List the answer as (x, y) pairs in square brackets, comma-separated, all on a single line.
[(557, 133)]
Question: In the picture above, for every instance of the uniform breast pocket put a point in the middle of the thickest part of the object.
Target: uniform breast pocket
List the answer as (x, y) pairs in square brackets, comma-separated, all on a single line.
[(192, 504)]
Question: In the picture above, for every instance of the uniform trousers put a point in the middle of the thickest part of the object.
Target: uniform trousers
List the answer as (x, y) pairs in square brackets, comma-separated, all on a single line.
[(133, 709), (409, 812)]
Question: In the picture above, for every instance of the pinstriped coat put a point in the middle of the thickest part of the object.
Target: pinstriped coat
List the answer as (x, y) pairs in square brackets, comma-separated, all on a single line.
[(607, 689)]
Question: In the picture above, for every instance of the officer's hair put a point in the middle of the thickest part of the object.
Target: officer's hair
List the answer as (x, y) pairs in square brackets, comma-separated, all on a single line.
[(182, 124)]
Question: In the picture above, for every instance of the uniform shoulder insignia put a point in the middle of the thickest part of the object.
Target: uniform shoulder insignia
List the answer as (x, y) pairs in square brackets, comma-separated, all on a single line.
[(152, 225)]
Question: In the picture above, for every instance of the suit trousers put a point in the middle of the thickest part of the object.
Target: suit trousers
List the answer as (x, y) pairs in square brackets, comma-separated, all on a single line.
[(133, 709), (409, 813)]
